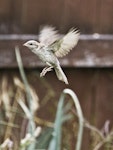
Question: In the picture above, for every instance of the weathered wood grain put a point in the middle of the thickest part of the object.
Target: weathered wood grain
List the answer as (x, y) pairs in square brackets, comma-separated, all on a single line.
[(26, 16), (91, 51), (20, 21)]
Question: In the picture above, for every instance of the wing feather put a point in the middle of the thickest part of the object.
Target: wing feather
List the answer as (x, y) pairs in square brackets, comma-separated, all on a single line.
[(48, 35), (67, 43)]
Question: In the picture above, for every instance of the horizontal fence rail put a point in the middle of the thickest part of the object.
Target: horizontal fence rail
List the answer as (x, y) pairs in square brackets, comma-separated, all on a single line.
[(94, 50), (94, 36)]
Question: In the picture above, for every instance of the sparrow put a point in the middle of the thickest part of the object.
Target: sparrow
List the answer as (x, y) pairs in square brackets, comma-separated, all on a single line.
[(50, 46)]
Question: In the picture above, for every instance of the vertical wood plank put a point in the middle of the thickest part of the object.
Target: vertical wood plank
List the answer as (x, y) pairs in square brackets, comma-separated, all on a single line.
[(27, 15), (4, 8), (104, 98), (40, 12), (106, 16)]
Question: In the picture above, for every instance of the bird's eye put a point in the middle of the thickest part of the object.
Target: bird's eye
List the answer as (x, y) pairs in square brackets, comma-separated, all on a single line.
[(30, 44)]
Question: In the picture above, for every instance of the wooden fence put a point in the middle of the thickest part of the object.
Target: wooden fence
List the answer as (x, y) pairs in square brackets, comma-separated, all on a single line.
[(88, 67)]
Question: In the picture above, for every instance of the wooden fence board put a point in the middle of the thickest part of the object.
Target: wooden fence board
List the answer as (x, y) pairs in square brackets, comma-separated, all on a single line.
[(25, 16), (90, 52), (88, 67)]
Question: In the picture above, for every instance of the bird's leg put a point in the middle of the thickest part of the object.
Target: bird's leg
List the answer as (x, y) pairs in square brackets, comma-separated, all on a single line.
[(45, 70)]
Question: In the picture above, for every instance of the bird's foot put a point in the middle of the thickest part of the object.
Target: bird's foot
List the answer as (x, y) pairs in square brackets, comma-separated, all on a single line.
[(45, 70)]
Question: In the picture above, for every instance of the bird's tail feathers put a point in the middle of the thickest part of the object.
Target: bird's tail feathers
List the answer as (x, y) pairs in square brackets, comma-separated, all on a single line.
[(60, 74)]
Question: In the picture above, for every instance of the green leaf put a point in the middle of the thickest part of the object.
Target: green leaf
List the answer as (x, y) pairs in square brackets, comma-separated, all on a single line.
[(61, 116), (43, 140), (31, 124), (55, 143)]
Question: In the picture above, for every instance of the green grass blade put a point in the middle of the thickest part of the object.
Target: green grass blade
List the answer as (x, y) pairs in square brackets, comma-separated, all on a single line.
[(61, 117), (80, 117), (31, 125)]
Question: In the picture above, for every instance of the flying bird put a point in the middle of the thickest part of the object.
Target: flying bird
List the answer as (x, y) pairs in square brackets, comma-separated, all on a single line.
[(52, 45)]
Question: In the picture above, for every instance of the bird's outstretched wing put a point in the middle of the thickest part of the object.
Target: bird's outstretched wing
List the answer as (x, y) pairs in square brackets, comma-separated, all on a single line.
[(48, 35), (63, 46)]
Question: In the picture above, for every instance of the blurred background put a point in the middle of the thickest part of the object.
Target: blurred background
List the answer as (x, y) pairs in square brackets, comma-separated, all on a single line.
[(88, 67)]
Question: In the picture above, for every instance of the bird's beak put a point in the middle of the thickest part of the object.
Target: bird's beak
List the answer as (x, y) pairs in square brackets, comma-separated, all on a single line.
[(25, 44)]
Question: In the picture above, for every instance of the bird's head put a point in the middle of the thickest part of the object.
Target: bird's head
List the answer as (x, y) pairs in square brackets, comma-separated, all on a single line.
[(32, 44)]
